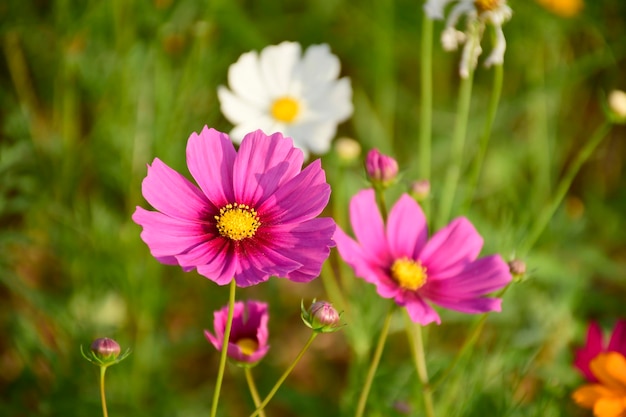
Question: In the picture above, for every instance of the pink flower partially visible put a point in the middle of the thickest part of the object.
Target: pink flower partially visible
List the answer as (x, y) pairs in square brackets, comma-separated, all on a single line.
[(252, 217), (248, 335), (595, 345), (411, 269)]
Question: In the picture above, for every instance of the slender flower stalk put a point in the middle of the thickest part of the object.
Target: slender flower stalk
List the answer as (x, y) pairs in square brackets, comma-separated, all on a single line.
[(224, 353), (458, 140), (561, 191), (103, 399), (496, 90), (426, 104), (419, 356), (284, 376), (253, 390), (367, 385)]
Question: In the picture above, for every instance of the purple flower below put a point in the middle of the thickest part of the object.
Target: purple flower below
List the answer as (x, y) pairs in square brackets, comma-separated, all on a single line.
[(254, 214), (248, 335), (595, 345), (403, 264)]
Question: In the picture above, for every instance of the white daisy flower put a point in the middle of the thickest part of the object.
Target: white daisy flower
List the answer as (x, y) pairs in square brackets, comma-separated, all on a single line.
[(279, 90), (478, 14)]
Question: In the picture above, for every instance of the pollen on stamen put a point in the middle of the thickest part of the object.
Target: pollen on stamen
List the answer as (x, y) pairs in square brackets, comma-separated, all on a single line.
[(237, 221), (486, 5), (409, 274)]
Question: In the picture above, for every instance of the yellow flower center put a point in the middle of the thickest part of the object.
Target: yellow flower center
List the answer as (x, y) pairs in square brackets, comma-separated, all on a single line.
[(237, 221), (410, 274), (247, 346), (486, 5), (285, 109)]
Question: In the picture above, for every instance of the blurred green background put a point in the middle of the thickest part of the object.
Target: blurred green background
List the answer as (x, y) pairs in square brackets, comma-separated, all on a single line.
[(92, 91)]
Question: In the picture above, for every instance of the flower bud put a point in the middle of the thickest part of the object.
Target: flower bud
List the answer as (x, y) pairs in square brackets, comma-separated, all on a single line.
[(617, 106), (380, 168), (321, 317), (347, 149), (517, 268), (105, 349), (420, 190)]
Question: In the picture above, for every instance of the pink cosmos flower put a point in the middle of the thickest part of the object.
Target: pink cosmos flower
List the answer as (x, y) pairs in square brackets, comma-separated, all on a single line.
[(248, 335), (253, 215), (410, 268), (595, 345)]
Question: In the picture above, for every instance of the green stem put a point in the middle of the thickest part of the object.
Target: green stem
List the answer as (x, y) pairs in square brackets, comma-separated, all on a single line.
[(103, 370), (380, 199), (498, 76), (561, 191), (374, 364), (224, 353), (458, 140), (416, 340), (284, 376), (426, 108), (253, 391)]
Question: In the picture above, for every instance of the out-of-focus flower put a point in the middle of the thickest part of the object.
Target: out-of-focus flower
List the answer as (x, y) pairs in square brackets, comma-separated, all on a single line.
[(247, 343), (252, 217), (478, 14), (420, 190), (617, 106), (565, 8), (105, 352), (595, 345), (281, 90), (321, 317), (347, 149), (517, 268), (381, 169), (410, 268), (607, 398)]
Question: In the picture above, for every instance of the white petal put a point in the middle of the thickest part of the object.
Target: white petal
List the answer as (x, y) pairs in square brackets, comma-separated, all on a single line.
[(244, 78), (264, 123), (319, 65), (236, 109), (333, 102), (278, 63), (314, 136), (496, 57), (434, 8)]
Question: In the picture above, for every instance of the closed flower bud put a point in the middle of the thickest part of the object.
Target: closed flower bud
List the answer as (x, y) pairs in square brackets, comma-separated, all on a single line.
[(617, 106), (347, 149), (420, 190), (321, 317), (381, 169), (105, 352), (517, 268)]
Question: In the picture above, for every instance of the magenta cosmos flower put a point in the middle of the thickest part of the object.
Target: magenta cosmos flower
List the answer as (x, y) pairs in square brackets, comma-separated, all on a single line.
[(248, 335), (595, 345), (252, 217), (405, 265)]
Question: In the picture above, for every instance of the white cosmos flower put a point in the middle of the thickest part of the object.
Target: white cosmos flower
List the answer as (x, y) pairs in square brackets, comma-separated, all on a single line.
[(281, 90), (478, 14)]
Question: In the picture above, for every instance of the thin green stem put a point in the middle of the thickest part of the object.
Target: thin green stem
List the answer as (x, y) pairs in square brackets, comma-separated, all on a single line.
[(496, 90), (416, 340), (380, 199), (224, 353), (547, 213), (374, 364), (253, 391), (426, 107), (284, 376), (458, 140), (103, 399)]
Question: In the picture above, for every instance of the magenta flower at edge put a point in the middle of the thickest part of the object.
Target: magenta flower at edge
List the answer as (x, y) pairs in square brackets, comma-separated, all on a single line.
[(248, 335), (253, 215), (595, 345), (410, 268)]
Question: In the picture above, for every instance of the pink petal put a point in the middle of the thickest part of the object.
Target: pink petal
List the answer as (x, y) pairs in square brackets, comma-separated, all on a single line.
[(207, 252), (259, 260), (419, 311), (592, 348), (407, 231), (167, 236), (169, 192), (618, 338), (300, 199), (353, 254), (368, 227), (470, 305), (451, 248), (222, 269), (262, 165), (210, 158)]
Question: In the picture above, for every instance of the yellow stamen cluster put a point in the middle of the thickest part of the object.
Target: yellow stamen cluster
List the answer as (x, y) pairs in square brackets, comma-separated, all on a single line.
[(285, 109), (237, 221), (486, 5), (248, 346), (409, 274)]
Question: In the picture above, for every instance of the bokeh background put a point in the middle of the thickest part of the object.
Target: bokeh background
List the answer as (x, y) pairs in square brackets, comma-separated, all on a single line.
[(92, 91)]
